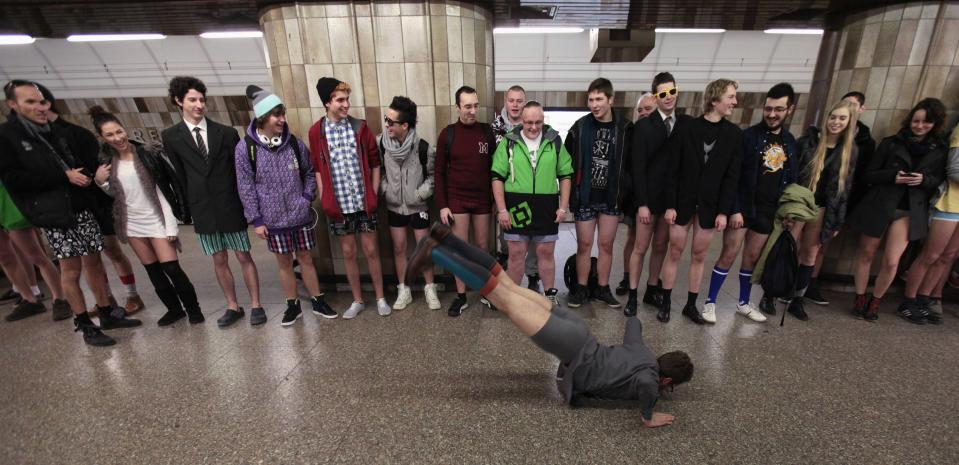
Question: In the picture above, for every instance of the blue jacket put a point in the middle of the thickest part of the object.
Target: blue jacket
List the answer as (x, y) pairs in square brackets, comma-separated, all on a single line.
[(754, 140)]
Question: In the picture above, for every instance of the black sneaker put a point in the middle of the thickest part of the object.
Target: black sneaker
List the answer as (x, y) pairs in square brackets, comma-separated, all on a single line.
[(292, 313), (652, 296), (623, 286), (532, 282), (603, 294), (91, 332), (9, 295), (663, 313), (911, 313), (321, 308), (691, 312), (551, 296), (230, 316), (630, 308), (814, 295), (61, 310), (577, 296), (459, 304), (489, 304), (195, 315), (767, 305), (109, 320), (170, 317), (797, 310), (930, 316), (25, 309)]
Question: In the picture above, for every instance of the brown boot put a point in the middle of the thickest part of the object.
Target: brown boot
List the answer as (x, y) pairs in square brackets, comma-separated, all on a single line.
[(93, 310), (134, 304)]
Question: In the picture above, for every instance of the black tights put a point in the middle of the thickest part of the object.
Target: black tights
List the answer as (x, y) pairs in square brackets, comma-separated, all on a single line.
[(172, 285)]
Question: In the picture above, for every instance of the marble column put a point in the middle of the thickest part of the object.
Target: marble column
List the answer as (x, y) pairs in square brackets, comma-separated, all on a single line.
[(896, 55), (424, 50)]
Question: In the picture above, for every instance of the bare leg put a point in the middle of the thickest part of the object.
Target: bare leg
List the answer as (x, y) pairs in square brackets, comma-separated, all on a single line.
[(224, 275), (308, 271), (481, 230), (660, 244), (113, 251), (26, 267), (897, 238), (70, 280), (529, 315), (427, 273), (546, 259), (28, 243), (938, 274), (284, 262), (371, 251), (864, 256), (701, 239), (678, 234), (517, 259), (13, 269), (96, 277), (628, 247), (398, 235), (348, 246), (250, 277), (461, 228), (940, 234), (644, 235), (584, 249), (608, 224)]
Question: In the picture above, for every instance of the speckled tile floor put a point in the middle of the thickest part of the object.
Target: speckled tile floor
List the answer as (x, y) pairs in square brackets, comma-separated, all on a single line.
[(420, 387)]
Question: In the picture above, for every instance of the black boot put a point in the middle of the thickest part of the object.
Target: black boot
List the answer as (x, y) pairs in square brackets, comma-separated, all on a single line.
[(110, 320), (630, 308), (91, 332), (623, 286), (664, 306)]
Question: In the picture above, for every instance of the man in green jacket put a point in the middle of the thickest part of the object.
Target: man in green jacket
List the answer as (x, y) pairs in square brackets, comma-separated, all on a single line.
[(531, 183)]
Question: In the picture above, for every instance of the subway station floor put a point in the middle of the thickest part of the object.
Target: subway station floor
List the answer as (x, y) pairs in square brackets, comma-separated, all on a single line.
[(421, 387)]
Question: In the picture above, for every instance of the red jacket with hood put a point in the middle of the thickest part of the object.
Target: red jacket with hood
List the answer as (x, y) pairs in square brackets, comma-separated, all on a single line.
[(369, 160)]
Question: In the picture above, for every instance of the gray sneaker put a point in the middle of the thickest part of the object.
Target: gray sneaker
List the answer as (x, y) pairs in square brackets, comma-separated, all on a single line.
[(257, 316), (61, 310)]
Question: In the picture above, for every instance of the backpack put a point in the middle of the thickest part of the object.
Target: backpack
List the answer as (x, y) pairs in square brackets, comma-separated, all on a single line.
[(570, 275), (782, 267), (251, 155), (424, 152)]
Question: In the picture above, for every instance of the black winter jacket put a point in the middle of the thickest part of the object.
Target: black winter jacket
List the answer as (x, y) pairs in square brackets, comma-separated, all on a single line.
[(837, 206), (754, 141)]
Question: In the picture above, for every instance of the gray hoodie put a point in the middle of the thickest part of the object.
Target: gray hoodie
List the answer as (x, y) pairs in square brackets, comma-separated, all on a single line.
[(404, 187)]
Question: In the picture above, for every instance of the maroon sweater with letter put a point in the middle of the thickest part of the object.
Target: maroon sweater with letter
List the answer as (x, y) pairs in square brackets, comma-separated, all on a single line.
[(463, 170)]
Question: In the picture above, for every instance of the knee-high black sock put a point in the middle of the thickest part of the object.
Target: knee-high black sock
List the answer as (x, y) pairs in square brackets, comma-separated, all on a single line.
[(803, 279), (471, 273), (472, 253), (184, 288), (164, 289)]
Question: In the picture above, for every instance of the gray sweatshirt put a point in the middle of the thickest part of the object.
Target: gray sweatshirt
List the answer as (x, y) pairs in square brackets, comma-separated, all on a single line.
[(404, 186)]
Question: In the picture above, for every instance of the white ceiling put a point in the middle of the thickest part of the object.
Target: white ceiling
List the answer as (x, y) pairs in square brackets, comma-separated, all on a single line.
[(535, 61)]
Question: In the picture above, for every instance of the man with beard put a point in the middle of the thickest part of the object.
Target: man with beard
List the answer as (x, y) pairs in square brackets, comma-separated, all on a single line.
[(769, 164)]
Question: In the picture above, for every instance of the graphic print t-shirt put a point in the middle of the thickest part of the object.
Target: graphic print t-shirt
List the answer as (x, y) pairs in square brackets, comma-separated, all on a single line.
[(602, 148), (772, 161)]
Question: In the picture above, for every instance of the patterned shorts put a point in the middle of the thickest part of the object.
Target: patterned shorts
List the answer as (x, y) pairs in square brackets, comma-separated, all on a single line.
[(81, 240), (590, 212), (358, 222), (292, 240), (218, 242)]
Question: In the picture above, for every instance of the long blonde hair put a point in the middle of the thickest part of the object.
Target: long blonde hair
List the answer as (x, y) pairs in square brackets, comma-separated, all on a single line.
[(847, 137)]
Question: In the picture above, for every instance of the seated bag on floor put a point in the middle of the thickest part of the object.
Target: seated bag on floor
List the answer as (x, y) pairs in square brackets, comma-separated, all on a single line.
[(782, 267)]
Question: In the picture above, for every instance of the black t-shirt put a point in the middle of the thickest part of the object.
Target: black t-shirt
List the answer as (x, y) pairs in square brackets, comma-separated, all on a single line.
[(828, 175), (770, 172), (709, 133), (603, 142)]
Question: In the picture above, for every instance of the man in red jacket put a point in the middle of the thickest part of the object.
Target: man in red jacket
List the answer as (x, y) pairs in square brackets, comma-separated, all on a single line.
[(347, 165)]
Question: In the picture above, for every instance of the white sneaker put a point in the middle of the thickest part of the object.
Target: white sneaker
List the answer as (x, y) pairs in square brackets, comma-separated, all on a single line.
[(383, 308), (355, 309), (751, 312), (709, 313), (432, 300), (403, 298)]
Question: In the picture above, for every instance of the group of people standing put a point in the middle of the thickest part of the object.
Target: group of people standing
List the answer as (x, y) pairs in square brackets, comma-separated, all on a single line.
[(672, 178)]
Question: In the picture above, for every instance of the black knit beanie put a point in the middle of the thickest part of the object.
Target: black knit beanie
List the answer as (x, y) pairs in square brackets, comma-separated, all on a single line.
[(325, 87)]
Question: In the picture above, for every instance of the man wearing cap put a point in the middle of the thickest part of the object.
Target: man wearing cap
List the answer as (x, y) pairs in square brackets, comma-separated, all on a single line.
[(201, 151), (347, 165), (277, 186)]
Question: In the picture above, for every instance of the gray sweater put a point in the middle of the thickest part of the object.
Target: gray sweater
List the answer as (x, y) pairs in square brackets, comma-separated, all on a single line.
[(405, 188)]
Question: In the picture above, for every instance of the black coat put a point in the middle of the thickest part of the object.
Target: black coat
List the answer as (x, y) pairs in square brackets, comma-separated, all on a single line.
[(576, 140), (35, 176), (837, 204), (866, 146), (211, 193), (703, 188), (754, 142), (876, 210), (649, 162)]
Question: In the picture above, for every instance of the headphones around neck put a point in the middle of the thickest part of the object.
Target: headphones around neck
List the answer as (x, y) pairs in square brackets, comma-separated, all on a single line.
[(270, 141)]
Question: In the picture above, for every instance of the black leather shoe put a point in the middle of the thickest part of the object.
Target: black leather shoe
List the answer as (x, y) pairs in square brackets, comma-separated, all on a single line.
[(797, 309), (109, 320), (196, 315), (170, 317), (630, 308), (691, 312), (653, 297), (663, 314), (230, 316), (623, 286)]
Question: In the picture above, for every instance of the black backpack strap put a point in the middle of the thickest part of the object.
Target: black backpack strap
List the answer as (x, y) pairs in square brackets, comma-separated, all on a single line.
[(251, 154), (296, 159), (424, 152)]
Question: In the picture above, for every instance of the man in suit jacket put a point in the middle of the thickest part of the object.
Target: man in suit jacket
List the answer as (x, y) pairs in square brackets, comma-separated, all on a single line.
[(201, 151), (649, 166), (704, 172)]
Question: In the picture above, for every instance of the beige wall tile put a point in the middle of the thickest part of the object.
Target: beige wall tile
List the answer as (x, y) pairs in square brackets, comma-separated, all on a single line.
[(875, 15), (301, 88), (293, 41), (886, 43), (316, 41), (469, 45), (364, 34), (413, 9), (853, 36), (456, 79), (952, 11), (921, 42), (893, 13), (910, 87), (904, 40), (270, 41), (370, 85), (469, 74), (419, 83), (362, 9), (438, 38), (289, 12), (454, 37), (877, 77), (930, 10), (479, 43), (437, 8), (860, 78), (350, 74), (881, 123), (337, 10), (341, 39), (279, 40), (891, 88), (312, 74), (934, 81), (310, 10), (452, 9), (386, 8), (426, 126), (945, 42), (867, 47), (912, 11), (388, 35), (441, 83), (950, 92), (444, 116), (392, 80), (416, 46), (284, 87)]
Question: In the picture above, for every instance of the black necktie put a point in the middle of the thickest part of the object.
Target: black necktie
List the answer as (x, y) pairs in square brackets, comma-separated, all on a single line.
[(669, 126), (199, 143)]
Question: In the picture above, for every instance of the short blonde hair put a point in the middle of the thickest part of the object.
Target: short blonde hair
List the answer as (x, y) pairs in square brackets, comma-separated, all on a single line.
[(343, 87), (714, 91)]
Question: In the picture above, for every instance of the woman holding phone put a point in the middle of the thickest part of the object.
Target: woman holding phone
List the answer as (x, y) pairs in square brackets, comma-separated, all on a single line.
[(148, 204), (903, 175)]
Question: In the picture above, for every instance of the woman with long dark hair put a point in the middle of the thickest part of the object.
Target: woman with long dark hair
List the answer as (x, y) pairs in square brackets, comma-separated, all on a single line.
[(903, 175), (148, 204)]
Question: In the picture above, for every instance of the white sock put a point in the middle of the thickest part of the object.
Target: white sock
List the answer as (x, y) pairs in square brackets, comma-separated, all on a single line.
[(35, 290), (15, 288), (131, 289)]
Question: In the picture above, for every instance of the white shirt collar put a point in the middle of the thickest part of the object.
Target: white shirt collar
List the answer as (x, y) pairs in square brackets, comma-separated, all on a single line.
[(202, 125), (664, 115)]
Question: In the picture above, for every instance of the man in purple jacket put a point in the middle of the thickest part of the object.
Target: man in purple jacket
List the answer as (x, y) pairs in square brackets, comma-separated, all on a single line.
[(277, 187)]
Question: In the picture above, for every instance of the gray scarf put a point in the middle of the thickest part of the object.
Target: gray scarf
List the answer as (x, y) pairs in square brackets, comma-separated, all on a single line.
[(41, 133), (396, 149)]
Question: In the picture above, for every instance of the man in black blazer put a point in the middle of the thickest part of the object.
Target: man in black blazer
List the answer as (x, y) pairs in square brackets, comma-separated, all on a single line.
[(202, 153), (649, 170), (704, 171)]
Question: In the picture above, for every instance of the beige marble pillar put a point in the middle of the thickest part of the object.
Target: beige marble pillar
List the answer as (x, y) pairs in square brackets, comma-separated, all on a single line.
[(424, 50), (896, 55)]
